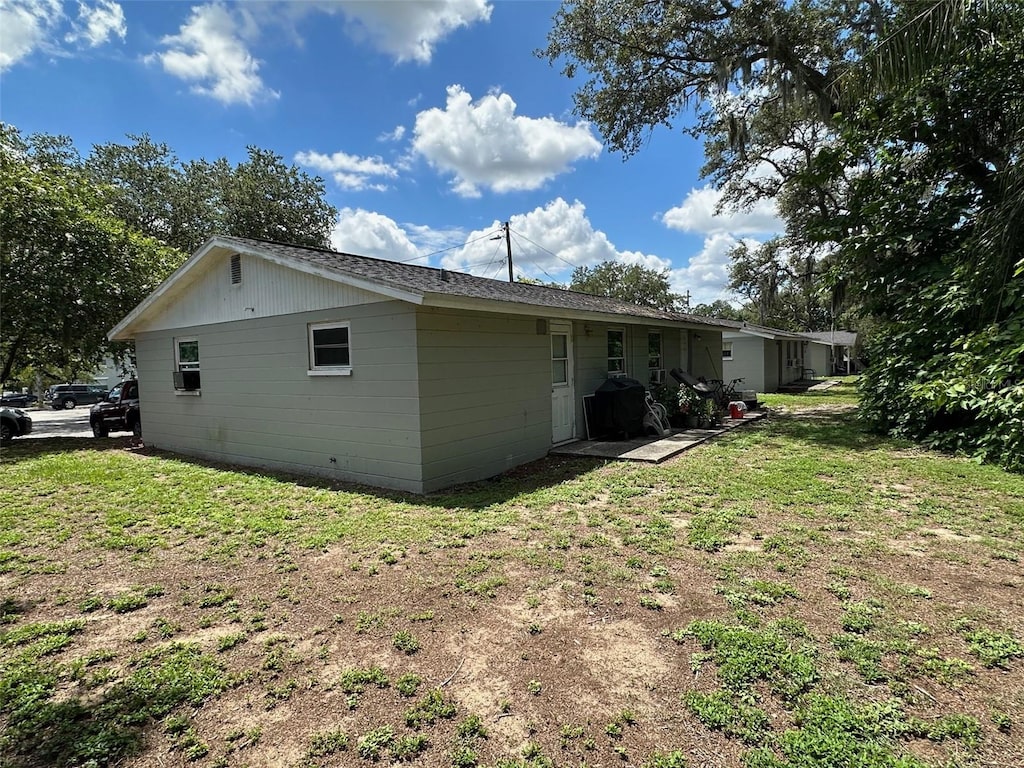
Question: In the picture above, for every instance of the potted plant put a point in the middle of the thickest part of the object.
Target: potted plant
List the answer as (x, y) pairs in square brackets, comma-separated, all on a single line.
[(714, 415), (689, 402)]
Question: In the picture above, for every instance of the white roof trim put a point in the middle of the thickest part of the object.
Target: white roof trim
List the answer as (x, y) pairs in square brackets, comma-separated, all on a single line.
[(123, 330)]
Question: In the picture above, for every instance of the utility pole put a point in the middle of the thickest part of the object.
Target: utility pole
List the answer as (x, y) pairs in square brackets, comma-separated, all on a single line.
[(508, 247)]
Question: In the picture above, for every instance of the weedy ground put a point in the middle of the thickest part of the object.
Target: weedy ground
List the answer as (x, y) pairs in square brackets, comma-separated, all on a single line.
[(795, 593)]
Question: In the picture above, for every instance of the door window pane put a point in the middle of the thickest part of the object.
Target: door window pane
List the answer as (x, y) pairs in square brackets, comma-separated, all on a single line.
[(616, 351)]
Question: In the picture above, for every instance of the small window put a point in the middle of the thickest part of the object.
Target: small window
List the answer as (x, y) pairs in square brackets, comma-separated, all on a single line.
[(329, 349), (616, 351), (727, 350), (186, 364), (236, 269)]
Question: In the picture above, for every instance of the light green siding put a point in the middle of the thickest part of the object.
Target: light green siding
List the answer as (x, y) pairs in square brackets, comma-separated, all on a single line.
[(258, 406), (706, 354), (485, 394), (436, 396)]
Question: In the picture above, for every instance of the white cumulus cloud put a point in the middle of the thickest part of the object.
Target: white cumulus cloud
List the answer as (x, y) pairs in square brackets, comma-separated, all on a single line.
[(211, 52), (349, 171), (485, 144), (706, 277), (410, 30), (98, 23), (698, 213), (366, 233), (26, 25), (547, 244)]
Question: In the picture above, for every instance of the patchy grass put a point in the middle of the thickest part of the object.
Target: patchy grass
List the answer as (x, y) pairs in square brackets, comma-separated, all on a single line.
[(796, 593)]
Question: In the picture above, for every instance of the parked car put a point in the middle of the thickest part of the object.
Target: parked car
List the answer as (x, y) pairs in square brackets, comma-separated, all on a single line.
[(17, 399), (14, 422), (69, 395), (119, 412)]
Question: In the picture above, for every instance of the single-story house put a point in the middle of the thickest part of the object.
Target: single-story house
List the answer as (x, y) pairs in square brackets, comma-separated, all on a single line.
[(834, 352), (768, 358), (373, 371)]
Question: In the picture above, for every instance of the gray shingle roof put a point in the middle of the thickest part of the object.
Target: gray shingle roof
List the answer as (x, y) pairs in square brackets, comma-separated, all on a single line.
[(428, 280), (763, 330), (840, 338)]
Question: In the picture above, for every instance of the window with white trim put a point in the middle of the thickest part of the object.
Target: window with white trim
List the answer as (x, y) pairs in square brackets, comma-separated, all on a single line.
[(616, 351), (727, 350), (330, 352), (186, 363)]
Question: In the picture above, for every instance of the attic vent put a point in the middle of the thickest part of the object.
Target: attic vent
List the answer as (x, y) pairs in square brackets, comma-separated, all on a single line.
[(236, 269)]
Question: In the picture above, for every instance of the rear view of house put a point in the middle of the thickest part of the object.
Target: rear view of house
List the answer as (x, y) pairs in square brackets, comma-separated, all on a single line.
[(389, 374)]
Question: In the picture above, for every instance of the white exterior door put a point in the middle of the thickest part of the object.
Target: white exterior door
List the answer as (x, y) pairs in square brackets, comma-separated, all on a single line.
[(563, 411)]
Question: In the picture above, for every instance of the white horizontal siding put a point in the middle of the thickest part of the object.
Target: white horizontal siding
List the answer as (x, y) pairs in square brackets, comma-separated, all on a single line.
[(266, 290)]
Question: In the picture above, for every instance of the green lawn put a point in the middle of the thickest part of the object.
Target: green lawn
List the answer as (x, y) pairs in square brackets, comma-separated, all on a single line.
[(795, 593)]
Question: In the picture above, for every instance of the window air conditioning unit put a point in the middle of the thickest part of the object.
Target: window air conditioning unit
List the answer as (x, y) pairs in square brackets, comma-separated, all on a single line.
[(186, 380), (616, 374)]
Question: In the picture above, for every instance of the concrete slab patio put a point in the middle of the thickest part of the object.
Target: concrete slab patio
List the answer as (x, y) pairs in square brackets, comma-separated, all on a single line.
[(650, 449)]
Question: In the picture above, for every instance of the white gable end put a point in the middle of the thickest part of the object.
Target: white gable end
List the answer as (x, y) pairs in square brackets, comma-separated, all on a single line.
[(260, 288)]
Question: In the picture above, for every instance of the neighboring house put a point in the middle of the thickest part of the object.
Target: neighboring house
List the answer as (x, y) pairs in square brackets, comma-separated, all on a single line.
[(768, 358), (112, 372), (838, 355), (373, 371)]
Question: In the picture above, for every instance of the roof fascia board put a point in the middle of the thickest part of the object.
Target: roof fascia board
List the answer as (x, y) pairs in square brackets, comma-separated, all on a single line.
[(448, 301)]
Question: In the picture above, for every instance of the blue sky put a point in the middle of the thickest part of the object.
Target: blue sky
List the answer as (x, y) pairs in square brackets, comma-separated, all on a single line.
[(430, 122)]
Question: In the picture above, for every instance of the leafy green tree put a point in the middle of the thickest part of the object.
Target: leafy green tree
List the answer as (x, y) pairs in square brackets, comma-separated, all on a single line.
[(142, 181), (760, 82), (720, 309), (627, 282), (182, 204), (265, 199), (933, 233), (70, 269)]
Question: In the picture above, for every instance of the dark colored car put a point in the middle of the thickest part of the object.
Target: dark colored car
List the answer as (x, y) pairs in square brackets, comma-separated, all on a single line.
[(69, 395), (14, 422), (118, 412), (17, 399)]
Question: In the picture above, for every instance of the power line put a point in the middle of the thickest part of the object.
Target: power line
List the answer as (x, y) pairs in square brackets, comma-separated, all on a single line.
[(449, 248), (538, 266), (569, 263)]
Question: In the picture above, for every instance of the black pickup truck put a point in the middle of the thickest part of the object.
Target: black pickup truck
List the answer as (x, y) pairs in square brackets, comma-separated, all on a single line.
[(118, 412)]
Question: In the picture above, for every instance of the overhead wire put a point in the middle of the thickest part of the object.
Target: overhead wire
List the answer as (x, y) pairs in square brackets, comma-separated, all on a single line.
[(538, 266), (451, 247), (497, 234), (552, 253)]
